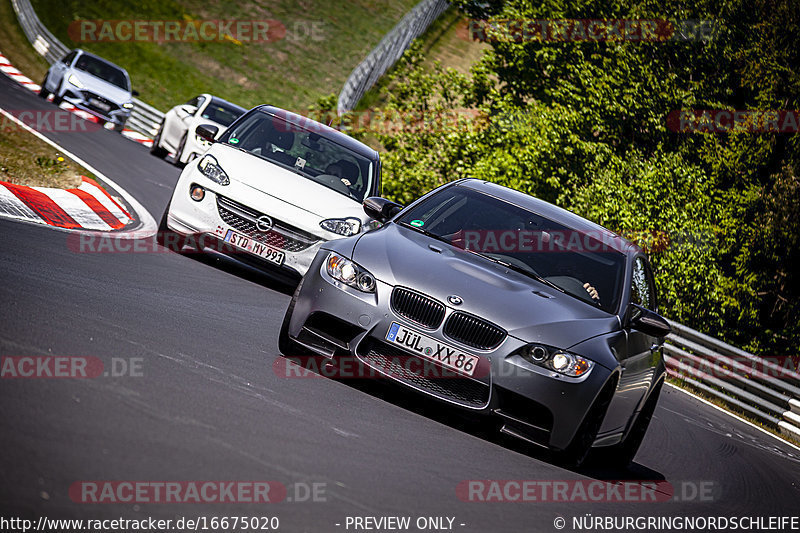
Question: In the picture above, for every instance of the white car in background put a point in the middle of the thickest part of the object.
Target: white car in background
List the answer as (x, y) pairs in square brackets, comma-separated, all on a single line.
[(176, 133), (270, 191)]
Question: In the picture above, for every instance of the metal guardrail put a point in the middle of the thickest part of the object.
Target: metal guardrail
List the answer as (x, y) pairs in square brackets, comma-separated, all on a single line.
[(388, 51), (144, 118), (766, 390)]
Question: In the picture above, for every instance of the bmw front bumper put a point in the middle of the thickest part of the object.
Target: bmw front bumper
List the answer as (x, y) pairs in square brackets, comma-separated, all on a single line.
[(534, 404)]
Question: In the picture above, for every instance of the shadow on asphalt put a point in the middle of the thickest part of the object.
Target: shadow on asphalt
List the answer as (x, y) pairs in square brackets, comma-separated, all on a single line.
[(245, 271), (483, 427)]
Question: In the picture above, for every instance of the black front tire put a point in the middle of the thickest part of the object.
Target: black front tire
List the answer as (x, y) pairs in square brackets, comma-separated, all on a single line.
[(164, 234), (621, 455), (574, 455), (119, 127), (56, 98), (287, 346), (179, 153), (44, 93), (156, 150)]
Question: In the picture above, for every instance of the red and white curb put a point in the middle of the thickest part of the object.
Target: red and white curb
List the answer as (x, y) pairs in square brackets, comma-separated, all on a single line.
[(11, 71), (88, 207)]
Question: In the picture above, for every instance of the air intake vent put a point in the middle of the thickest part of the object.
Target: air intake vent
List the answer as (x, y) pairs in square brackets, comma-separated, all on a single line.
[(417, 307), (474, 331)]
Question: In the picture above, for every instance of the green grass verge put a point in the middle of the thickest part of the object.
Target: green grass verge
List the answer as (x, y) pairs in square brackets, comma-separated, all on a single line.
[(292, 72), (27, 160), (445, 42), (15, 46)]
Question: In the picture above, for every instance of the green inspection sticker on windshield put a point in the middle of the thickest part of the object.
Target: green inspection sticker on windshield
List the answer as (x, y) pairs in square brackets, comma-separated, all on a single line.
[(234, 140), (417, 223)]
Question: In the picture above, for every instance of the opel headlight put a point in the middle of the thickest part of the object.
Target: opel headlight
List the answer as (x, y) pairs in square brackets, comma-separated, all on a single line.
[(73, 79), (209, 167), (128, 105), (561, 361), (342, 226), (342, 269)]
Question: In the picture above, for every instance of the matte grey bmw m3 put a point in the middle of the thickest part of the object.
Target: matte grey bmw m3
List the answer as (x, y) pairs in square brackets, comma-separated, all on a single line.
[(496, 302)]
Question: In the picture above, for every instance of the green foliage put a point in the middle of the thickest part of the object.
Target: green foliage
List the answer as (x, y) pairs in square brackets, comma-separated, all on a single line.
[(584, 125)]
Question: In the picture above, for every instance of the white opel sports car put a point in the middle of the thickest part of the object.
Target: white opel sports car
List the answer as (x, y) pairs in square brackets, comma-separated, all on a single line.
[(270, 190), (176, 134)]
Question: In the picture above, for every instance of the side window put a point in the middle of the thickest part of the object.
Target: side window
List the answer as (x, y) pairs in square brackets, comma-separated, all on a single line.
[(69, 57), (642, 285)]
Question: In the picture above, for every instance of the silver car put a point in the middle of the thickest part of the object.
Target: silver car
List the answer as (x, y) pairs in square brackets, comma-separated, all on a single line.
[(498, 303), (92, 84)]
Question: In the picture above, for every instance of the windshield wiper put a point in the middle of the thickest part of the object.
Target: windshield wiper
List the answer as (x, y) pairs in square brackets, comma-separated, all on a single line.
[(519, 269)]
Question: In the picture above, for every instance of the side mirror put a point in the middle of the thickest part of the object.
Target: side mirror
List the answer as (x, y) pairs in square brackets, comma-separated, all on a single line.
[(381, 209), (135, 92), (207, 132), (187, 109), (648, 322)]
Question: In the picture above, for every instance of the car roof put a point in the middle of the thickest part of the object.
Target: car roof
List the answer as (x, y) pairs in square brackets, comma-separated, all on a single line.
[(218, 100), (553, 212), (335, 135), (84, 52)]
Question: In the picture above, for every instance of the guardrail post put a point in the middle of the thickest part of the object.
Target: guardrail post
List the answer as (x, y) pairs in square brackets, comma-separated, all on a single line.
[(144, 118)]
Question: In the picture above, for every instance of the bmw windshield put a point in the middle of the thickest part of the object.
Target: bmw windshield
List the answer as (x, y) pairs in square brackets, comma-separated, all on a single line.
[(305, 152), (565, 259)]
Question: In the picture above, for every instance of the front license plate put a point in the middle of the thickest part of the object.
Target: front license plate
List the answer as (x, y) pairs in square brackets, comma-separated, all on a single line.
[(99, 105), (254, 247), (424, 346)]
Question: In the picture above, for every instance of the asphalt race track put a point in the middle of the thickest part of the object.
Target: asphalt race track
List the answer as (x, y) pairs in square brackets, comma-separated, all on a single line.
[(209, 406)]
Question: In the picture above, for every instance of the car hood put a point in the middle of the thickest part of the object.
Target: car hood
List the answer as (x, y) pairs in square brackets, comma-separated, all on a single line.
[(285, 185), (527, 309), (103, 88)]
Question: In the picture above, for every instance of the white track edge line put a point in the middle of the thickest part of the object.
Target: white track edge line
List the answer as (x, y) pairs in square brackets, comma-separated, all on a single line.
[(733, 415)]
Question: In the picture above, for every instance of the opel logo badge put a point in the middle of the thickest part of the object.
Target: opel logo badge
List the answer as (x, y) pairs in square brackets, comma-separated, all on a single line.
[(455, 299), (264, 223)]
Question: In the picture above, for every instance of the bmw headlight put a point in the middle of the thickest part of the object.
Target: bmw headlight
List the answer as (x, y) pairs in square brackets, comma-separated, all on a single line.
[(73, 79), (128, 105), (210, 168), (342, 226), (342, 269), (560, 361)]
